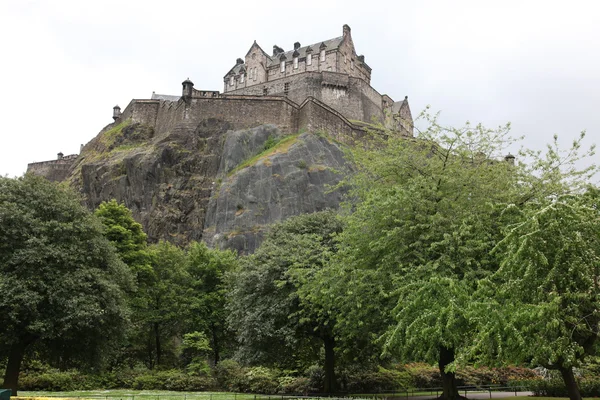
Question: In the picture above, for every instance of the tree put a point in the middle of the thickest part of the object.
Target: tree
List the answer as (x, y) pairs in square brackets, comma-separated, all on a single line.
[(206, 296), (127, 236), (546, 292), (277, 318), (428, 213), (60, 278)]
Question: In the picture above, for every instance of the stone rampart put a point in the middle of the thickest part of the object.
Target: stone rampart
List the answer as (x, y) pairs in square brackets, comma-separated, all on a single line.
[(53, 170)]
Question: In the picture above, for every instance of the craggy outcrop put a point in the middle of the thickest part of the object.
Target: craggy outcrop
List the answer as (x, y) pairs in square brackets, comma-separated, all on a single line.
[(209, 182)]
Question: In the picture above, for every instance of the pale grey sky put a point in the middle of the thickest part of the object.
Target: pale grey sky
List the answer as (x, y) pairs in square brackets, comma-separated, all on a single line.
[(65, 64)]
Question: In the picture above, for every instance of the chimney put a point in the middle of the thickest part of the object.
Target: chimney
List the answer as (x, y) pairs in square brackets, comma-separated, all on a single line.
[(60, 156), (346, 30), (296, 45), (361, 58), (239, 61), (277, 50)]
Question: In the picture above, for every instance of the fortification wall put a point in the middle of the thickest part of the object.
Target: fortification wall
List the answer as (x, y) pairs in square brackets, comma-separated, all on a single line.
[(353, 97), (316, 116), (53, 170)]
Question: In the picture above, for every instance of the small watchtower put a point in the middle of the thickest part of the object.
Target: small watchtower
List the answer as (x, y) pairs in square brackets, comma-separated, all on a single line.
[(116, 112), (187, 89)]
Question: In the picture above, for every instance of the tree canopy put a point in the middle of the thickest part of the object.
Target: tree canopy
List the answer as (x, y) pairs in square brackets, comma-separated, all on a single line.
[(60, 279)]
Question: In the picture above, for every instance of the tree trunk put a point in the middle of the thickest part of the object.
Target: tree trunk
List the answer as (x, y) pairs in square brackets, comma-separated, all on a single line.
[(157, 343), (13, 367), (450, 391), (330, 381), (215, 343), (570, 383)]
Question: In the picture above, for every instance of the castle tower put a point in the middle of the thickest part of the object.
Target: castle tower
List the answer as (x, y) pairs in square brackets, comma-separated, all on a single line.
[(186, 94)]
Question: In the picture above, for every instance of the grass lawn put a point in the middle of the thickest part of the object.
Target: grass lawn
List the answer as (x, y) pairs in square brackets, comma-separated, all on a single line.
[(125, 394)]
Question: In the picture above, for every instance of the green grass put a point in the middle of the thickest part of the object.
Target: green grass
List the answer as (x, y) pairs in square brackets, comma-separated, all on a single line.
[(126, 394), (280, 147)]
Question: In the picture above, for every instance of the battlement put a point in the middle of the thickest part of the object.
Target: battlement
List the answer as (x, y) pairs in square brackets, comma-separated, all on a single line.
[(54, 170)]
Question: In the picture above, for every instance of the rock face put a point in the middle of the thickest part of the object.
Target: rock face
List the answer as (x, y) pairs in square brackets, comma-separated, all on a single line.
[(208, 182)]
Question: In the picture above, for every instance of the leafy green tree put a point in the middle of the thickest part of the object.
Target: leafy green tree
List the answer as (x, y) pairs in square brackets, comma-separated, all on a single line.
[(162, 304), (127, 235), (428, 213), (60, 279), (206, 296), (546, 292), (278, 318)]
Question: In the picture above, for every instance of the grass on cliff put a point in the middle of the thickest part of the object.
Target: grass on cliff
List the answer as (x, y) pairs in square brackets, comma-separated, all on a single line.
[(282, 146)]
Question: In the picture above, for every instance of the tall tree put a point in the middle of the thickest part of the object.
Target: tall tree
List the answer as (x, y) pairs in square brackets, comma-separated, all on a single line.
[(206, 296), (278, 319), (545, 294), (59, 277)]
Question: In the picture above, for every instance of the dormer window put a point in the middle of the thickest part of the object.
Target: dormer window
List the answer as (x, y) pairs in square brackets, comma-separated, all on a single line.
[(352, 64), (295, 62), (282, 66), (309, 59), (242, 78), (231, 81), (254, 73), (323, 55)]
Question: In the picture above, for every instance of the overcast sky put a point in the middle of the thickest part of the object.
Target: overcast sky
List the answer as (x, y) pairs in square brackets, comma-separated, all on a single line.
[(65, 64)]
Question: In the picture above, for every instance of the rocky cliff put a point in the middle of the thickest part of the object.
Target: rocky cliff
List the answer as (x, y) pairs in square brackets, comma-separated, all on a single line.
[(207, 181)]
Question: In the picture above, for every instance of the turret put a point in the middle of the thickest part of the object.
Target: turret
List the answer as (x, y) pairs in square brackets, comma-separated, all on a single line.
[(116, 112), (346, 30), (188, 86), (510, 159), (60, 156)]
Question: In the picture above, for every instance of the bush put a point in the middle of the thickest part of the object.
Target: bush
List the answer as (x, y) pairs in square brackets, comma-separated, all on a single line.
[(262, 380), (381, 380), (295, 385), (230, 376), (54, 380), (589, 387)]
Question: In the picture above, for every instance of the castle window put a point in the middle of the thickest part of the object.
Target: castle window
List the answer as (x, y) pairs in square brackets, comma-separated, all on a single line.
[(309, 59), (231, 81), (345, 59), (286, 88), (242, 78), (295, 62), (282, 69), (352, 64), (323, 55), (265, 91)]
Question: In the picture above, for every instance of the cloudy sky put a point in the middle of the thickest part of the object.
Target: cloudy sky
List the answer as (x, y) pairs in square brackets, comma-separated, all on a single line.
[(65, 64)]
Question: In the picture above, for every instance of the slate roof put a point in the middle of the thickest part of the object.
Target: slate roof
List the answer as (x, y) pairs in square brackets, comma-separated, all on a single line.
[(164, 97), (289, 55)]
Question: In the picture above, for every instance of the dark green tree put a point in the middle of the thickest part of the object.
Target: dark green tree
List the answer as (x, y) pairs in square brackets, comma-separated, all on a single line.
[(206, 298), (278, 318), (60, 279)]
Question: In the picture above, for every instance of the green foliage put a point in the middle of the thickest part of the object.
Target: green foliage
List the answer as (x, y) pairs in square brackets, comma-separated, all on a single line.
[(271, 296), (546, 290), (61, 280), (127, 235)]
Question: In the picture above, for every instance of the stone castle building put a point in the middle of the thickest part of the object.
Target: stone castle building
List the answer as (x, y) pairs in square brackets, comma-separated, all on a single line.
[(321, 87)]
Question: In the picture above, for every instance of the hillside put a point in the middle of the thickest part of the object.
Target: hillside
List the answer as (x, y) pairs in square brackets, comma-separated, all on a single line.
[(207, 181)]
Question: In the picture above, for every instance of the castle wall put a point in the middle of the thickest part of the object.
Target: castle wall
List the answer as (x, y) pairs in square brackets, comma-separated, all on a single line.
[(353, 97), (316, 116), (53, 170)]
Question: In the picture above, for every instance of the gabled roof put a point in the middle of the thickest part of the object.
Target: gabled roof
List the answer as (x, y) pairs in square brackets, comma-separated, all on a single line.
[(330, 44)]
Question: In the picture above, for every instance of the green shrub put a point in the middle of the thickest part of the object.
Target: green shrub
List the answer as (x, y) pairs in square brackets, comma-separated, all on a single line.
[(298, 385), (230, 376), (262, 380), (370, 381)]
